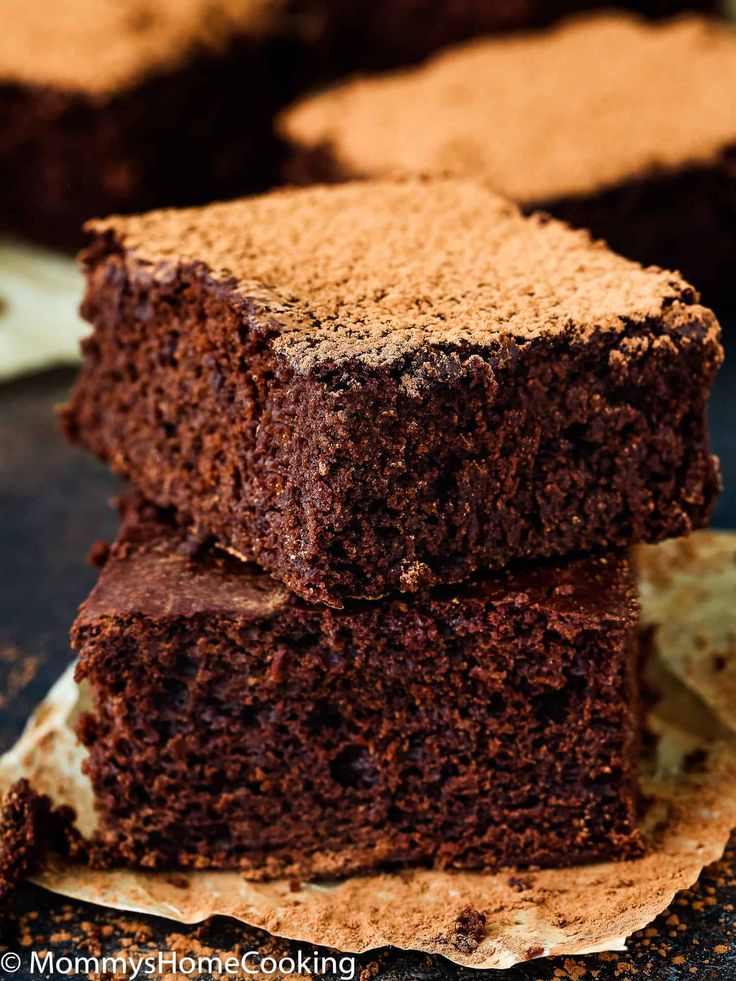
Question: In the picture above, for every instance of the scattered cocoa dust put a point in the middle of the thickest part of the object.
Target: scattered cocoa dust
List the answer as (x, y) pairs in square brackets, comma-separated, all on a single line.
[(664, 937), (23, 669), (123, 938)]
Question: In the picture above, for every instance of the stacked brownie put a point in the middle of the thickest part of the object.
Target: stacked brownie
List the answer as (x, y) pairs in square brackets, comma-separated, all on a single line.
[(609, 122), (371, 604)]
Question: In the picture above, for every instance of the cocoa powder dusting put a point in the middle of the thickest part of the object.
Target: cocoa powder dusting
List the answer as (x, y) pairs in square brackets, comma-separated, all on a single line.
[(402, 264)]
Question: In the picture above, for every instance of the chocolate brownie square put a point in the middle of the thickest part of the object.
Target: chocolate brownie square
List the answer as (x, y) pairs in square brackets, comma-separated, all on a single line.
[(121, 106), (611, 122), (234, 725), (385, 386)]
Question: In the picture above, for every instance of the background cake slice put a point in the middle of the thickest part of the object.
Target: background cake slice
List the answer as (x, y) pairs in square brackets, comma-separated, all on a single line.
[(347, 35), (386, 386), (234, 725), (120, 105), (610, 122)]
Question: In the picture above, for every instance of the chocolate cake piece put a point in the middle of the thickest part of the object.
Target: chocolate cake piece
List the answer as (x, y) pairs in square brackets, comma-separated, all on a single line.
[(384, 386), (609, 122), (234, 725), (125, 105)]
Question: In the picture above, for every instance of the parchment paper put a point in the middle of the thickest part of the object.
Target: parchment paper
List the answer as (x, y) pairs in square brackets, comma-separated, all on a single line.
[(691, 782), (688, 589), (39, 323)]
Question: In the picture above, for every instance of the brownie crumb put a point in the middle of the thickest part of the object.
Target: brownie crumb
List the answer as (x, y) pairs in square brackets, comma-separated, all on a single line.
[(470, 927), (30, 826), (177, 880), (18, 842), (98, 554)]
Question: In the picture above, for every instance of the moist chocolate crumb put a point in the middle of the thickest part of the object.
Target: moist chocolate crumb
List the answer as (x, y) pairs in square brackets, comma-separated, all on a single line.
[(518, 884), (469, 929)]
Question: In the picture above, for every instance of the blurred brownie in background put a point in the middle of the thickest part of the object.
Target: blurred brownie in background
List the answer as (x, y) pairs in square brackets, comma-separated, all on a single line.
[(120, 106), (378, 34), (610, 122)]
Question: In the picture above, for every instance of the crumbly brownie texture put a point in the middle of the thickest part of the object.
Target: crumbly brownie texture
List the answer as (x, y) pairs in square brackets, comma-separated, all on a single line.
[(235, 725), (120, 106), (20, 811), (387, 386), (30, 827), (641, 152)]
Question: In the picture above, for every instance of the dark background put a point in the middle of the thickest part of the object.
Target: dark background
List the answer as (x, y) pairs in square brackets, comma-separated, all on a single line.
[(53, 506)]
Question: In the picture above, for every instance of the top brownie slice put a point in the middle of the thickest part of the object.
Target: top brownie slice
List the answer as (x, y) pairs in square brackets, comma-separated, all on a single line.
[(381, 386)]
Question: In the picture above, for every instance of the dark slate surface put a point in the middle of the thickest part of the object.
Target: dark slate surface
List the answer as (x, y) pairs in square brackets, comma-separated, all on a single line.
[(52, 507)]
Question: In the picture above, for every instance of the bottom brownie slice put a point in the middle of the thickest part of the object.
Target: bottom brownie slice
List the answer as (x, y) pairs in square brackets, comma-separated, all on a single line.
[(235, 725)]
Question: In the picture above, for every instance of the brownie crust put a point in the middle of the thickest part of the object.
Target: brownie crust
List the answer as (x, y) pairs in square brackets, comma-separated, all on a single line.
[(642, 217), (237, 726), (432, 424)]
